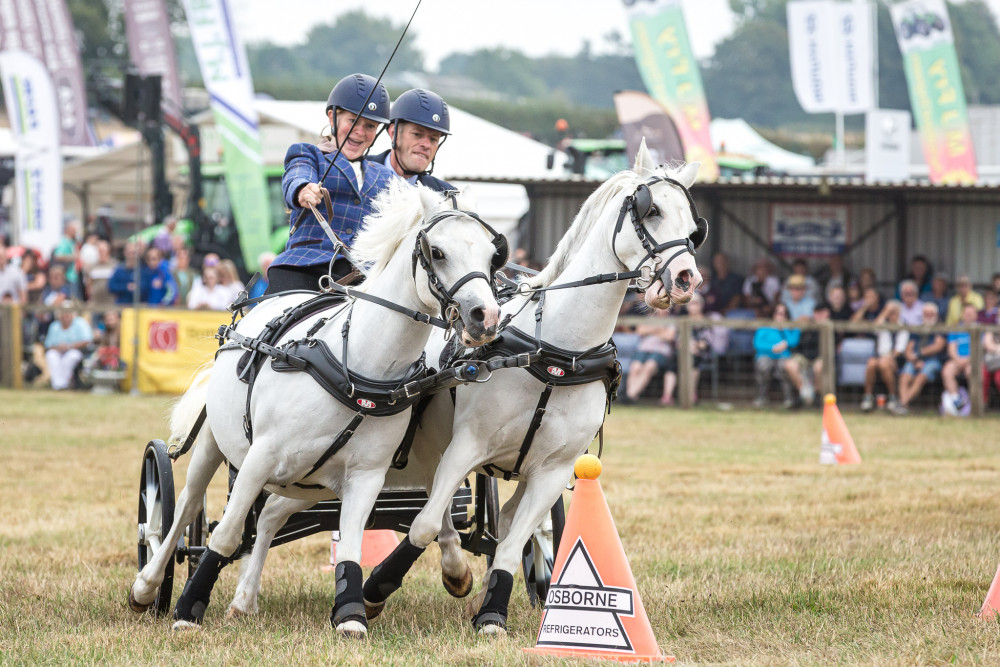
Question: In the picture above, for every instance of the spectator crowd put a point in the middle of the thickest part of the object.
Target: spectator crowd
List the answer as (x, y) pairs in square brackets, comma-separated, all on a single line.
[(900, 362)]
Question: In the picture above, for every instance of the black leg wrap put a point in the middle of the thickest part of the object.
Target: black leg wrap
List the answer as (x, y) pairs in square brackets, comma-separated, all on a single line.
[(198, 589), (348, 605), (494, 609), (387, 577)]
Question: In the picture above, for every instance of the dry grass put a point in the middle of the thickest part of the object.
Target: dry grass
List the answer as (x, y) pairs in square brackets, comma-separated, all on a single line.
[(746, 551)]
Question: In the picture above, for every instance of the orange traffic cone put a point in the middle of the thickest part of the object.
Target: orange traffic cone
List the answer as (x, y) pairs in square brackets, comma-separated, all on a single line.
[(593, 608), (992, 603), (837, 445), (375, 546)]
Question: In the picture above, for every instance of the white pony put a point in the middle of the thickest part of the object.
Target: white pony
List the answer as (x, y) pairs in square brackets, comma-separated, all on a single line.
[(449, 444), (294, 421), (488, 423)]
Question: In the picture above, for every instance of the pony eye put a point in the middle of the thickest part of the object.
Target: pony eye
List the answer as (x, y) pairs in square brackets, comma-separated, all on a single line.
[(436, 253), (654, 210)]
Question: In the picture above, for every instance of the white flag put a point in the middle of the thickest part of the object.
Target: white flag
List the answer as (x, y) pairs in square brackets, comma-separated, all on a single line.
[(831, 55), (31, 103)]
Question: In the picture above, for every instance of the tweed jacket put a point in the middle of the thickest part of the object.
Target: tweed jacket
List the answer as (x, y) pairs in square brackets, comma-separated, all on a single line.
[(426, 180), (304, 163)]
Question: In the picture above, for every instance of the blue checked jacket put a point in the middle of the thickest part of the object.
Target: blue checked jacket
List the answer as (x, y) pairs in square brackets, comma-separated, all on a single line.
[(305, 163)]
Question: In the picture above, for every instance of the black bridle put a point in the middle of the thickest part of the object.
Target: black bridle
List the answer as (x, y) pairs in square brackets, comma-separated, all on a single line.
[(638, 206)]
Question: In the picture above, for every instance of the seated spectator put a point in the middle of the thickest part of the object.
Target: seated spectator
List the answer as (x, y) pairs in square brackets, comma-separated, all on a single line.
[(866, 279), (957, 365), (726, 287), (833, 274), (158, 286), (65, 342), (940, 293), (655, 356), (163, 240), (13, 283), (870, 308), (805, 367), (35, 275), (122, 281), (184, 275), (761, 287), (208, 294), (98, 276), (799, 304), (890, 346), (229, 277), (964, 294), (991, 363), (924, 354), (911, 310), (922, 275), (704, 342), (772, 347), (800, 268), (66, 253), (840, 310), (259, 287), (58, 291), (995, 283), (988, 315), (855, 299)]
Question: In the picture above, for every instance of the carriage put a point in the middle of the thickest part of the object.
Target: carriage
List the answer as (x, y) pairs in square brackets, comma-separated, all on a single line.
[(475, 508)]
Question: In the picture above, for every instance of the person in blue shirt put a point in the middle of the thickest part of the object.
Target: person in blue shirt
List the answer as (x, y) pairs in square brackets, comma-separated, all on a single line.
[(420, 123), (924, 354), (65, 342), (773, 346), (958, 365), (351, 181)]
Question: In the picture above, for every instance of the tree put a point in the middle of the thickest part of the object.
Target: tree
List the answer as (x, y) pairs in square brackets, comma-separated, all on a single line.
[(977, 41)]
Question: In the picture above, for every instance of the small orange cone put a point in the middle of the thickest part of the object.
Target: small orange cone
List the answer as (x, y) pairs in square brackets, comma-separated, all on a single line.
[(375, 546), (992, 603), (837, 446), (593, 608)]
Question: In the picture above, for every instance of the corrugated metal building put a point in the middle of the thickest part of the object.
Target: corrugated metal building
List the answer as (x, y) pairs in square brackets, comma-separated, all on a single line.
[(956, 227)]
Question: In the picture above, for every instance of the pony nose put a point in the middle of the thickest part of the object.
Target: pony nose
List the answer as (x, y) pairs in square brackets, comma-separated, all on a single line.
[(485, 316), (683, 280)]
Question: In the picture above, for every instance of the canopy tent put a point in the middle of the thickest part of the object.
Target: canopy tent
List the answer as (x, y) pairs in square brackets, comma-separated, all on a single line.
[(735, 135)]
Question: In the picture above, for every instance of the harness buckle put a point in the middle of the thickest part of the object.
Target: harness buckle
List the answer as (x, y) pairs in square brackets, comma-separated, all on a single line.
[(523, 359), (411, 389)]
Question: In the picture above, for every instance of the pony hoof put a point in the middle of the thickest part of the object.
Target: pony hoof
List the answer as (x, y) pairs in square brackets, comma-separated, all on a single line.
[(235, 613), (352, 630), (185, 626), (458, 587), (492, 630), (373, 609), (135, 605)]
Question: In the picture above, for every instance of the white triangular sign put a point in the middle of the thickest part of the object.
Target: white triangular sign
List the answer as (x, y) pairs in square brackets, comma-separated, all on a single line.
[(581, 612)]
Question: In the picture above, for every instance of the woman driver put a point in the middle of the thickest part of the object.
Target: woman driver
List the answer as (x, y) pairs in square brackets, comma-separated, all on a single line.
[(352, 182)]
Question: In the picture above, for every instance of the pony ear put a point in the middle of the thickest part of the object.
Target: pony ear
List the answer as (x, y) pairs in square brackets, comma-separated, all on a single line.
[(687, 174), (467, 198), (430, 200), (643, 160)]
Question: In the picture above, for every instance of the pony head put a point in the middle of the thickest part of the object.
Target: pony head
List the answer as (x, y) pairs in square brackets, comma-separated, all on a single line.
[(452, 254), (672, 228)]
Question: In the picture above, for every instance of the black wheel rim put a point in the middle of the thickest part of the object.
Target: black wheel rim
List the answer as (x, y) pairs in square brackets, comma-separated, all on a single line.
[(156, 515)]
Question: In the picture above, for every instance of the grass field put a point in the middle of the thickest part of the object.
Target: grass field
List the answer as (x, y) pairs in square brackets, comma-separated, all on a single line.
[(745, 550)]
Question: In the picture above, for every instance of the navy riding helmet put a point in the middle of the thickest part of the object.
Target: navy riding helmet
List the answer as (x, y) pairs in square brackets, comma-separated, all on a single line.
[(423, 108), (351, 92)]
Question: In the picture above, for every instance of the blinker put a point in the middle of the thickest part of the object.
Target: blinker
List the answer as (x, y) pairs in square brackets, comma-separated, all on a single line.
[(642, 201)]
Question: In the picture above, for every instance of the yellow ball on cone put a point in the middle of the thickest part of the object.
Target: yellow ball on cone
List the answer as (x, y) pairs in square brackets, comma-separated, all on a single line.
[(587, 466)]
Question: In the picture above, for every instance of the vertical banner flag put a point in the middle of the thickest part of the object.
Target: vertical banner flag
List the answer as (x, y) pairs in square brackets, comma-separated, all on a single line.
[(830, 49), (923, 30), (670, 72), (642, 117), (224, 68), (31, 105), (45, 31), (151, 47)]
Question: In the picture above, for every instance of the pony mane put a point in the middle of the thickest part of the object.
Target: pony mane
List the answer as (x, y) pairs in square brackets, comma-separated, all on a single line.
[(398, 211), (589, 216)]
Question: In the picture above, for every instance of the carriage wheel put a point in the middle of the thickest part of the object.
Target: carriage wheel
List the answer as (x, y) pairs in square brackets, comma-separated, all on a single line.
[(197, 536), (539, 556), (487, 510), (156, 516)]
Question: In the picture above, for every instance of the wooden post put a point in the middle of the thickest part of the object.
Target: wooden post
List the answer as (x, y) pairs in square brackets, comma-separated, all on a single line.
[(827, 352), (685, 390), (975, 374)]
